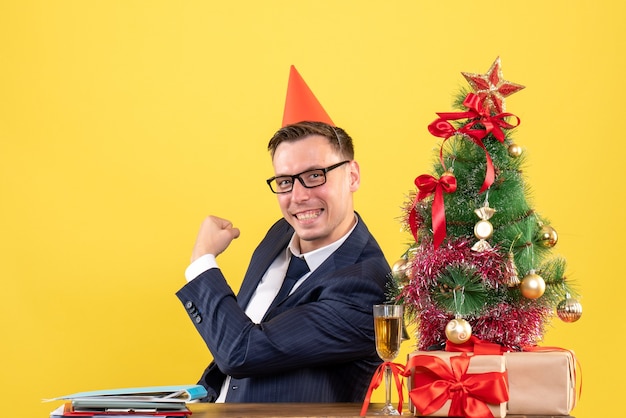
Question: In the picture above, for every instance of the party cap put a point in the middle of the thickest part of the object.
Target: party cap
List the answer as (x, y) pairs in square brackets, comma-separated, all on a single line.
[(301, 104)]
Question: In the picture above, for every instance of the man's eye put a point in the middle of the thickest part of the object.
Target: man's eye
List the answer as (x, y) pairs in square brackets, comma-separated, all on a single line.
[(314, 178), (284, 182)]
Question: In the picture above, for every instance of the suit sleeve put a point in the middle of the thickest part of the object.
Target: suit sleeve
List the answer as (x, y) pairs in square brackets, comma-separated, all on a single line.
[(332, 325)]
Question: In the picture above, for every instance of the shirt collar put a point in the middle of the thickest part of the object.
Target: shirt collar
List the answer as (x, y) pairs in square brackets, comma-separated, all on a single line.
[(315, 258)]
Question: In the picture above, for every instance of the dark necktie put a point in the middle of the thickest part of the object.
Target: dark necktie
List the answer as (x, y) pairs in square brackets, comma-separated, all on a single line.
[(297, 268)]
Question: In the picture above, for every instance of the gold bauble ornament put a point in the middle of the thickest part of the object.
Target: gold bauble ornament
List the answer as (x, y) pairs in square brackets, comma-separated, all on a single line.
[(514, 150), (569, 310), (458, 331), (532, 285), (399, 268), (547, 236)]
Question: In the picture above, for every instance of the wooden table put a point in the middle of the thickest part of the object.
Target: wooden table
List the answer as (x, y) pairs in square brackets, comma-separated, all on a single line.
[(297, 410)]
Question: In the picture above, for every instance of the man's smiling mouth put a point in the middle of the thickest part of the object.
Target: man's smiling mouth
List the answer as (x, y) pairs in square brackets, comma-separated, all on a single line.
[(308, 215)]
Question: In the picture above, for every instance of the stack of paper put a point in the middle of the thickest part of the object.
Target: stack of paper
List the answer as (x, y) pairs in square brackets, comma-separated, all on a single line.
[(153, 401)]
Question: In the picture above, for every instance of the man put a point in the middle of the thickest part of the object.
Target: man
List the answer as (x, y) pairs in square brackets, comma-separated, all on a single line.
[(316, 343)]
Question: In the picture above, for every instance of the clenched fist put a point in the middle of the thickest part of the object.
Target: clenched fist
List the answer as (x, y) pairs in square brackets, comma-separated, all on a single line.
[(214, 237)]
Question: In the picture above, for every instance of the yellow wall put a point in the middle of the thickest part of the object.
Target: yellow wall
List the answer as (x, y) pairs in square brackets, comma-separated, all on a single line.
[(123, 123)]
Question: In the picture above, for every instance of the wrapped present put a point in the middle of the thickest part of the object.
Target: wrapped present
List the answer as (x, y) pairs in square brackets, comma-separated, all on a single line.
[(541, 382), (457, 384)]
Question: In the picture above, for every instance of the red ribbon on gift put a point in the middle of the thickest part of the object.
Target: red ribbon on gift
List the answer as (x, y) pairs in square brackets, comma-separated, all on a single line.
[(427, 185), (397, 370), (477, 346), (478, 115), (439, 382)]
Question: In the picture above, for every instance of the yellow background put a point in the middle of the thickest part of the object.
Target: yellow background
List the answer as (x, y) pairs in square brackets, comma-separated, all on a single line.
[(123, 123)]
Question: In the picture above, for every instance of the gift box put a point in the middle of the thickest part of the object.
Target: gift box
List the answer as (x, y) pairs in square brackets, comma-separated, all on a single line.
[(541, 382), (445, 383)]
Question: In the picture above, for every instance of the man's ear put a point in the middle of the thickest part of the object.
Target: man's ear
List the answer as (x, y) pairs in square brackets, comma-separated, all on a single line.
[(355, 176)]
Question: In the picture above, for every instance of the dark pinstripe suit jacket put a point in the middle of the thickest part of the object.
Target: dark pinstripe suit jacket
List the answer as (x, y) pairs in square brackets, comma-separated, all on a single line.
[(317, 345)]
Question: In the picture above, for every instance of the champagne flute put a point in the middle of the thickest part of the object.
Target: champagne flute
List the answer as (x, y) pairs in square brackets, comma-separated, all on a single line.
[(388, 331)]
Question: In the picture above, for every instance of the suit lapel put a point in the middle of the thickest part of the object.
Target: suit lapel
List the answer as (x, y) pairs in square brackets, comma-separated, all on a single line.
[(274, 242), (347, 254)]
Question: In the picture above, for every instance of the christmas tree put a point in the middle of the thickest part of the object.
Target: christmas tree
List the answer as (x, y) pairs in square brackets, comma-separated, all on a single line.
[(480, 262)]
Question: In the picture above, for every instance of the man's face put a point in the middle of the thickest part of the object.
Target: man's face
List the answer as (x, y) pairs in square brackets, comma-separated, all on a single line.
[(323, 214)]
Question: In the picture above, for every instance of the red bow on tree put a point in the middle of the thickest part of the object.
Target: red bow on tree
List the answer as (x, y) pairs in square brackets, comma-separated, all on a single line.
[(427, 185), (478, 115)]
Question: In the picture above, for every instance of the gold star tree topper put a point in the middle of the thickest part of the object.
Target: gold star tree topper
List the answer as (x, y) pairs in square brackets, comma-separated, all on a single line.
[(491, 87)]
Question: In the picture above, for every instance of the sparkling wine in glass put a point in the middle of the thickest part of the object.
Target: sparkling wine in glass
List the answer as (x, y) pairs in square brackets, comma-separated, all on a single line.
[(388, 321)]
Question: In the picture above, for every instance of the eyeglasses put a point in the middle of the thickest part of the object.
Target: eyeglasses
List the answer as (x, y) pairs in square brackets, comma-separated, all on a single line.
[(309, 179)]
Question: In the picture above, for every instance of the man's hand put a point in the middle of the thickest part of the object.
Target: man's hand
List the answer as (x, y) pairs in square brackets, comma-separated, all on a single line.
[(214, 237)]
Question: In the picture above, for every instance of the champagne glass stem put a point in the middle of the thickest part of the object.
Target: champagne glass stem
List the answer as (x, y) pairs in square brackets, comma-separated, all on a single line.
[(388, 388)]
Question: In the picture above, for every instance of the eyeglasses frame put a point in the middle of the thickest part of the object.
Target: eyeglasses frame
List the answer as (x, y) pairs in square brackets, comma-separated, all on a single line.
[(297, 176)]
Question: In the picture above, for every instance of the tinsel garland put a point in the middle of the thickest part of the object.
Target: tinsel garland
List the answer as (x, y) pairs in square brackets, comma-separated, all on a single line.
[(512, 325)]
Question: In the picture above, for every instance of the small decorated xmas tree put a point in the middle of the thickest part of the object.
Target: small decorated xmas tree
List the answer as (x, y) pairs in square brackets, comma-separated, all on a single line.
[(480, 263)]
